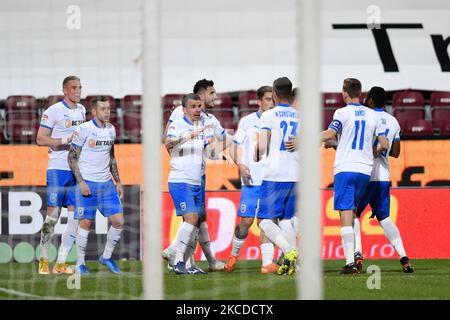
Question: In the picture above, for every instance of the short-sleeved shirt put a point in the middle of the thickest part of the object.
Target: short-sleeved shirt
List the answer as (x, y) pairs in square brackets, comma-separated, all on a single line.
[(357, 127), (381, 169), (62, 120), (280, 164), (246, 136), (186, 163), (96, 143)]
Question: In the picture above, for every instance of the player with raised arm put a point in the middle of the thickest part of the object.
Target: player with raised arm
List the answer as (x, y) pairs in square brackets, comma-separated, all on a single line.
[(93, 162), (279, 174), (207, 93), (186, 140), (357, 126), (250, 172), (378, 192), (56, 130)]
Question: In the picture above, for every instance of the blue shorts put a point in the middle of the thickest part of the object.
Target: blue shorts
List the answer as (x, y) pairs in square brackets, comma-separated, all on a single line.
[(248, 205), (60, 188), (349, 187), (378, 196), (104, 197), (277, 200), (187, 198)]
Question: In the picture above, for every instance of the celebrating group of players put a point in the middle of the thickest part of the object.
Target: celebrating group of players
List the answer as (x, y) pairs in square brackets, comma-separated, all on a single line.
[(82, 164), (264, 148)]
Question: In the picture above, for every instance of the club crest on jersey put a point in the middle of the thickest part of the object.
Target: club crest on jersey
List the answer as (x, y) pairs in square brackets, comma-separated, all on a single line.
[(80, 212), (92, 143), (44, 117), (243, 208), (183, 206)]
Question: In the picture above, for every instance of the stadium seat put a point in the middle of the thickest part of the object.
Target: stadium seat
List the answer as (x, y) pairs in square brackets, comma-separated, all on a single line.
[(113, 119), (408, 106), (247, 103), (440, 112), (331, 101), (417, 127), (172, 100), (51, 100), (223, 110), (22, 118), (131, 108)]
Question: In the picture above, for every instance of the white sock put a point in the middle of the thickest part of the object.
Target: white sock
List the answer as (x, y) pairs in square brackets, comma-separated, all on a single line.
[(205, 242), (183, 239), (288, 231), (357, 232), (393, 235), (274, 233), (47, 235), (237, 245), (67, 238), (82, 240), (172, 247), (112, 239), (348, 243), (267, 252), (190, 250)]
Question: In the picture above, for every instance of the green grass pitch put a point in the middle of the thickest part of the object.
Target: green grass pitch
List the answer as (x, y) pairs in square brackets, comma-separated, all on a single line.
[(430, 281)]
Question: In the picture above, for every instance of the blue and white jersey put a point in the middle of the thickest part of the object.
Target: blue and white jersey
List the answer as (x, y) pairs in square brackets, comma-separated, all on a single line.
[(357, 127), (62, 120), (280, 165), (187, 158), (96, 143), (381, 169), (246, 136)]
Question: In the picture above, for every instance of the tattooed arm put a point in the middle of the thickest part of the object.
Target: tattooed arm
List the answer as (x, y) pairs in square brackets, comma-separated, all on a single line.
[(115, 172), (74, 155)]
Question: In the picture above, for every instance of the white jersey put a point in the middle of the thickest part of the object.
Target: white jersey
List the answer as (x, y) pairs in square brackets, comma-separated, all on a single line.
[(381, 170), (207, 119), (280, 165), (186, 162), (246, 136), (62, 120), (357, 127), (96, 143)]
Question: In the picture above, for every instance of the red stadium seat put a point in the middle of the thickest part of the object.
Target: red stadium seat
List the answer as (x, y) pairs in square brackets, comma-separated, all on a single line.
[(22, 118), (223, 101), (408, 106), (131, 107), (172, 100), (417, 127), (51, 100), (440, 112), (113, 119), (331, 101), (247, 103)]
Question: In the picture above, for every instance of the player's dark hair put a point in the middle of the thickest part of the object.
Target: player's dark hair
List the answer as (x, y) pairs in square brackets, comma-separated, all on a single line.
[(190, 96), (202, 85), (283, 88), (295, 91), (378, 95), (69, 78), (353, 87), (96, 100), (261, 91)]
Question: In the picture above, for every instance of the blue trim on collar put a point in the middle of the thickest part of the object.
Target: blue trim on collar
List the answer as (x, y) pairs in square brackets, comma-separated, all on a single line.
[(378, 109), (95, 123), (66, 105), (258, 114), (354, 104), (187, 120), (283, 105)]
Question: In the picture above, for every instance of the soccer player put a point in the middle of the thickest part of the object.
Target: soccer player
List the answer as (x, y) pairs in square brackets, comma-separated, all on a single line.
[(357, 127), (186, 140), (378, 192), (92, 161), (279, 174), (245, 140), (207, 93), (56, 130)]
